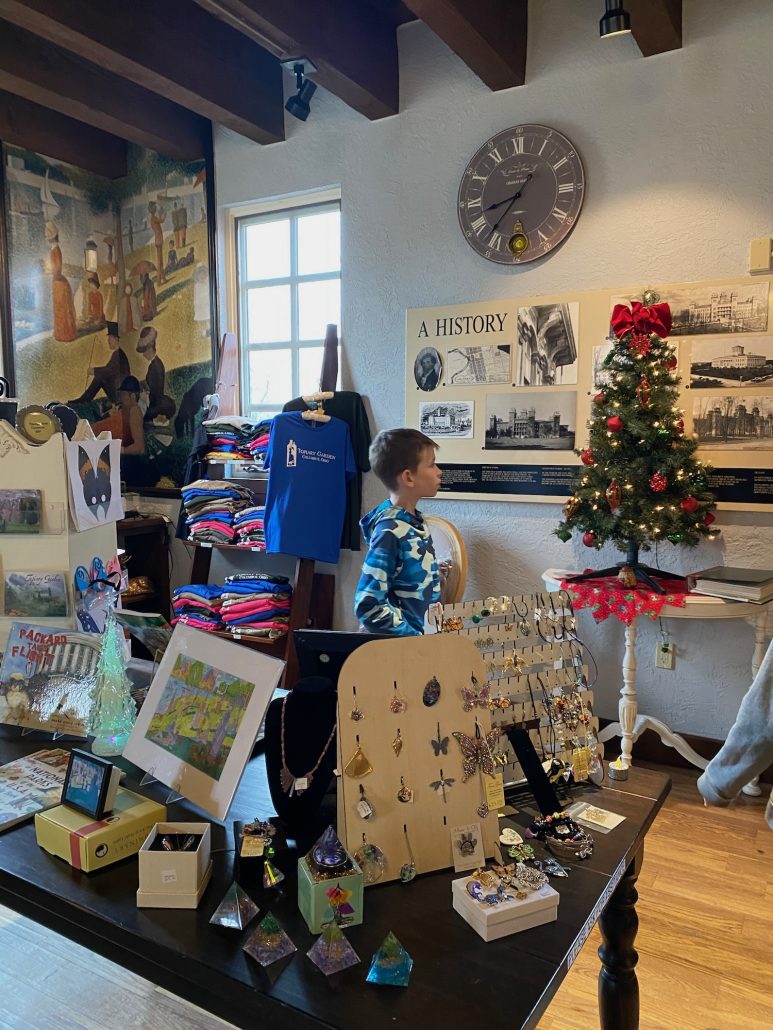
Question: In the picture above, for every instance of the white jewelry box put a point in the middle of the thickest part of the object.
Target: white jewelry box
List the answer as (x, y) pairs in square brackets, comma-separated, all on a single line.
[(491, 922)]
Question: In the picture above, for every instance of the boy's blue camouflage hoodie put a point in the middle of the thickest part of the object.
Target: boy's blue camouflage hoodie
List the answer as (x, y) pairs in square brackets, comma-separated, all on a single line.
[(399, 579)]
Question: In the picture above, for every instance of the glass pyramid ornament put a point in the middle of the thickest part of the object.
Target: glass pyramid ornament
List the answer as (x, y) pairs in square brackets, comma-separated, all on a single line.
[(269, 942), (113, 711), (235, 910), (332, 953), (329, 852), (391, 964), (272, 876)]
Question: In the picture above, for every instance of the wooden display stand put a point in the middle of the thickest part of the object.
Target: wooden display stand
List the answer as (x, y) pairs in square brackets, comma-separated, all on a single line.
[(57, 548), (367, 680)]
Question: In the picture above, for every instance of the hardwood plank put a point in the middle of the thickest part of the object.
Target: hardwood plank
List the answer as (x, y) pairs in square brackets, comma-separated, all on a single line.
[(172, 48)]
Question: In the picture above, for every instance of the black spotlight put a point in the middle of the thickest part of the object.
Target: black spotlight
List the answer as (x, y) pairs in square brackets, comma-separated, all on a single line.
[(616, 20), (298, 106)]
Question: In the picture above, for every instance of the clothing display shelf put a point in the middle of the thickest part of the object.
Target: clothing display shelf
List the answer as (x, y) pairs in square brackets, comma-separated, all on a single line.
[(146, 542), (531, 653)]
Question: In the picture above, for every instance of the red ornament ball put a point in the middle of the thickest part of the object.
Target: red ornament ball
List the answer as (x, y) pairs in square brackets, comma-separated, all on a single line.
[(586, 456), (600, 398), (658, 482), (589, 538), (708, 518), (671, 363), (689, 504), (614, 424)]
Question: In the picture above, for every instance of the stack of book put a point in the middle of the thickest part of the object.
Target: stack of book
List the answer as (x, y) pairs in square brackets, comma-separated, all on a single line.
[(733, 583)]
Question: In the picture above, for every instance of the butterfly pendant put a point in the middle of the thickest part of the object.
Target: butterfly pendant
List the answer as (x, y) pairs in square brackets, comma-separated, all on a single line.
[(473, 697), (477, 751), (439, 786), (439, 744)]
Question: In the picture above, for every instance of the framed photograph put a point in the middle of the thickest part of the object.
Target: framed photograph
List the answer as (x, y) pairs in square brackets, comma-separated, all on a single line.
[(727, 364), (733, 422), (428, 369), (715, 310), (90, 784), (478, 366), (196, 730), (602, 376), (35, 595), (546, 354), (531, 421), (20, 511), (447, 419)]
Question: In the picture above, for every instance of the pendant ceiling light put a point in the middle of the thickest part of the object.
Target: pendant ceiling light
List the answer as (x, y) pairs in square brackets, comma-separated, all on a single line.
[(616, 20)]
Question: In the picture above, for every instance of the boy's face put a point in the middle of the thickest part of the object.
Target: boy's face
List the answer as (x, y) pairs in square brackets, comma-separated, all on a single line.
[(426, 478)]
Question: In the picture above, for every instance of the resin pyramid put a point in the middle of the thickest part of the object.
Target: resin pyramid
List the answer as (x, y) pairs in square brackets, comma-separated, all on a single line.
[(332, 952), (269, 942), (329, 852), (272, 876), (391, 964), (235, 910)]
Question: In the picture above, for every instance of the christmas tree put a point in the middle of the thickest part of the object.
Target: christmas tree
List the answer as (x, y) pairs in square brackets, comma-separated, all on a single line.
[(113, 711), (640, 482)]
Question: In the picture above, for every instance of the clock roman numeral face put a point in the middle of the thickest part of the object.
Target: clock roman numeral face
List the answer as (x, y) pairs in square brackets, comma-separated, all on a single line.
[(521, 194)]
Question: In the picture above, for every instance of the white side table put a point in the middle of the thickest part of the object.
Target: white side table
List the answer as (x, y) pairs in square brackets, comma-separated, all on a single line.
[(631, 723)]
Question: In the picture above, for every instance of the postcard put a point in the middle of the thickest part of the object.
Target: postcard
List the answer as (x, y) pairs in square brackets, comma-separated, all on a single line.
[(34, 595), (20, 511)]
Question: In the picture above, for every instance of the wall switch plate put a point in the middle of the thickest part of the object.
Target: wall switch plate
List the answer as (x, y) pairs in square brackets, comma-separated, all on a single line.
[(760, 253), (665, 656)]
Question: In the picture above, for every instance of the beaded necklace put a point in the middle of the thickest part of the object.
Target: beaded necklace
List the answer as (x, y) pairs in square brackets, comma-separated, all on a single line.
[(297, 784)]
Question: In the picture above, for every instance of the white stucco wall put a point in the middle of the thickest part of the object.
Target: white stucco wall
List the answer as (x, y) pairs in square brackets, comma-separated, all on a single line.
[(678, 153)]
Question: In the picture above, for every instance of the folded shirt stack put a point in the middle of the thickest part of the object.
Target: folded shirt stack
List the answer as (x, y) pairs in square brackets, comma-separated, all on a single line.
[(198, 604), (210, 506), (236, 438), (256, 605), (249, 528), (258, 445)]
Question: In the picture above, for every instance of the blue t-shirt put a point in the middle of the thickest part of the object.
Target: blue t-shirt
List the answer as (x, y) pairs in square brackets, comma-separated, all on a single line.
[(309, 463)]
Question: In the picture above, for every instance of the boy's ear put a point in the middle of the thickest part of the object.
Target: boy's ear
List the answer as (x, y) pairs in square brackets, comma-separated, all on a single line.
[(405, 478)]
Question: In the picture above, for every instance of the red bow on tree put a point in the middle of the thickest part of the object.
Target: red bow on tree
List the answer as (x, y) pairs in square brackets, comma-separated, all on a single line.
[(654, 319)]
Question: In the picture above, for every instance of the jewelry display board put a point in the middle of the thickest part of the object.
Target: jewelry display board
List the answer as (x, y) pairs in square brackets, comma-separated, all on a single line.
[(429, 753), (535, 667), (505, 386)]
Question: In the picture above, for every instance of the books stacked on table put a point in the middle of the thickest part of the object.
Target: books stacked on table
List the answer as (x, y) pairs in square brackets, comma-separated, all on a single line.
[(31, 784), (734, 583)]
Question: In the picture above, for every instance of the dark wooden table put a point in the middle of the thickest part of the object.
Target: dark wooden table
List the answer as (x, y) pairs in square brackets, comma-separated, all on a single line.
[(457, 981)]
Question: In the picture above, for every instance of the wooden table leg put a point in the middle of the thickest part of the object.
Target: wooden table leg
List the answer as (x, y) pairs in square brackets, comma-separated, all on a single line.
[(618, 986), (629, 705)]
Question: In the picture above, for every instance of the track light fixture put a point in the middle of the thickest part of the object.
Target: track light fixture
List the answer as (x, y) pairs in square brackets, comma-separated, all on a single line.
[(298, 105), (616, 20)]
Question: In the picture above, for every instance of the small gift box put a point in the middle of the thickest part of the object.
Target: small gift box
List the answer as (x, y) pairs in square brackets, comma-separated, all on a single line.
[(330, 885), (175, 865), (494, 921)]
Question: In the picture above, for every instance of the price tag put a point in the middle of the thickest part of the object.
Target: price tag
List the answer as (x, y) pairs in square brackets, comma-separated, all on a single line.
[(252, 846), (169, 876), (301, 784), (205, 543), (495, 792)]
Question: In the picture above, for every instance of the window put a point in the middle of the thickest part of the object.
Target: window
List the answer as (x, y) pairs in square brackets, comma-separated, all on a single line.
[(289, 288)]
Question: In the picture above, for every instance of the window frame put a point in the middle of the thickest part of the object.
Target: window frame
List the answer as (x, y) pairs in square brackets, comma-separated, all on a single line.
[(241, 220)]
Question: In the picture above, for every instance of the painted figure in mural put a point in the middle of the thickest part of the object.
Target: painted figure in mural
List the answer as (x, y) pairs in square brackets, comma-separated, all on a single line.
[(107, 377), (133, 430), (148, 297), (182, 216), (157, 218), (110, 292), (96, 305), (65, 328), (129, 316), (201, 308), (159, 405), (130, 235), (189, 258), (171, 261)]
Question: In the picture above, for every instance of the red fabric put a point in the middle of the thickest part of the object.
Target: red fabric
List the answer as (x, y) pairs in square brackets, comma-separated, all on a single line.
[(607, 596), (654, 319)]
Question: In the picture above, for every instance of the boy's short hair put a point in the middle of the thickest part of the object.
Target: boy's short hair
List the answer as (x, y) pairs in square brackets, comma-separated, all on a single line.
[(395, 450)]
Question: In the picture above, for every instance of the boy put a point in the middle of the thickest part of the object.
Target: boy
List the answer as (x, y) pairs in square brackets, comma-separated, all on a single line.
[(399, 579)]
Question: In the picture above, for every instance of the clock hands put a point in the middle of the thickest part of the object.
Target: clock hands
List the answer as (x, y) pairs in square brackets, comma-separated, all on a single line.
[(516, 196), (499, 203)]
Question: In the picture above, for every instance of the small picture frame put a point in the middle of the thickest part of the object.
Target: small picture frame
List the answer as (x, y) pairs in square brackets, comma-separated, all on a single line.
[(90, 784)]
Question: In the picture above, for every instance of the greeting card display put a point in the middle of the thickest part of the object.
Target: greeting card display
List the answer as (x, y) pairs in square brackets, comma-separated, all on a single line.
[(94, 482)]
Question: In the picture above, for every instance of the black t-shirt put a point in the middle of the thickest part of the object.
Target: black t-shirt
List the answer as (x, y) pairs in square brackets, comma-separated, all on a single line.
[(347, 405)]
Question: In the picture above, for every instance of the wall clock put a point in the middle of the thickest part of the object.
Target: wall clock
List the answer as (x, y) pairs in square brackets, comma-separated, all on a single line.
[(521, 194)]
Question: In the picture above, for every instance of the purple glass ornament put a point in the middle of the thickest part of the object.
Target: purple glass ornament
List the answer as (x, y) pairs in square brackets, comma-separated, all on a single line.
[(329, 852)]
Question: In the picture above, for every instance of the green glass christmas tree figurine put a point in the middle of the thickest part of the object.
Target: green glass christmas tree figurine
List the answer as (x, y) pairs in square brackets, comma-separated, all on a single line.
[(113, 711), (640, 481)]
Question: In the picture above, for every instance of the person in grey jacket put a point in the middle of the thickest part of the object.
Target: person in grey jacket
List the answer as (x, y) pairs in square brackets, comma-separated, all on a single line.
[(748, 749)]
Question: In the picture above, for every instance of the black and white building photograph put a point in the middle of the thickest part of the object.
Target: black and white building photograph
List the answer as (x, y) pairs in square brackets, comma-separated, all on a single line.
[(478, 366), (719, 364), (602, 376), (734, 422), (531, 421), (546, 351), (703, 310), (428, 369), (447, 419)]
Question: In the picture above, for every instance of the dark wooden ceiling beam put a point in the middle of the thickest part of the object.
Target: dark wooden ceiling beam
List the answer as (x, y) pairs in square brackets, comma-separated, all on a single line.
[(656, 25), (34, 69), (353, 46), (52, 134), (488, 35), (173, 48)]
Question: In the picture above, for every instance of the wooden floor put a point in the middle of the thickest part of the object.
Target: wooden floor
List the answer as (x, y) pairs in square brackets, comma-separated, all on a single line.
[(705, 943)]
